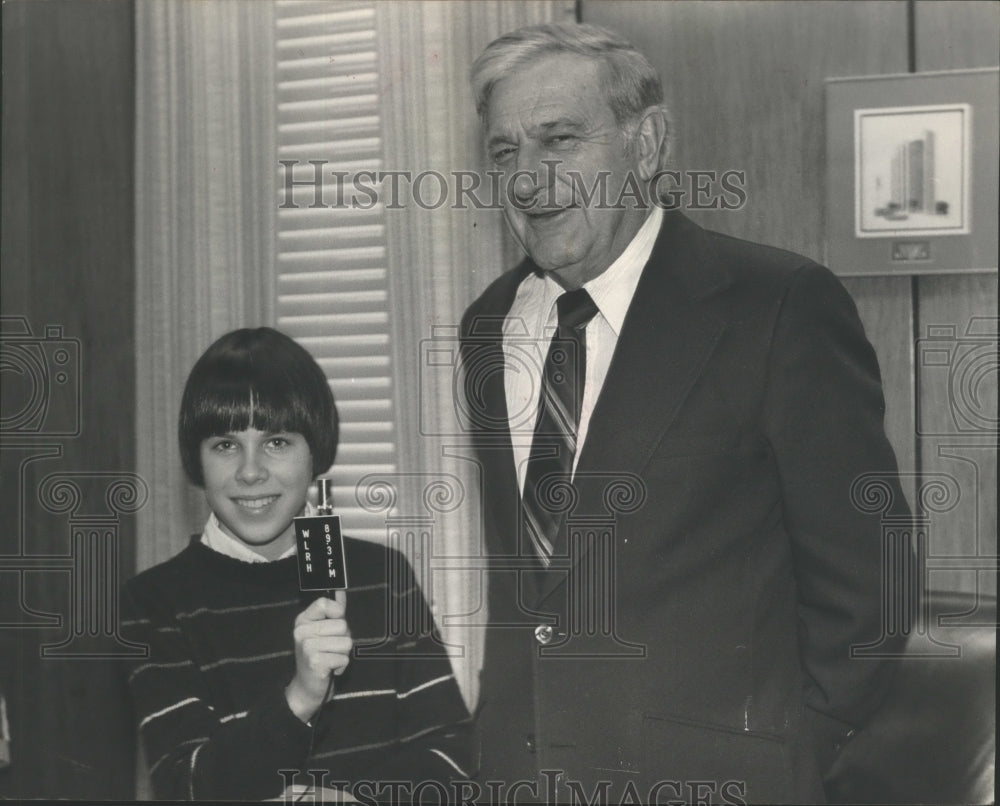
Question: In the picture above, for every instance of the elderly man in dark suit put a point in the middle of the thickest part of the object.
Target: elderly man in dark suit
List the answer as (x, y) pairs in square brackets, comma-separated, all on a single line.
[(669, 423)]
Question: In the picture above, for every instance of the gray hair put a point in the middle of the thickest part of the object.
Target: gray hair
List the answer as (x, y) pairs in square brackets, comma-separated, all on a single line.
[(631, 84)]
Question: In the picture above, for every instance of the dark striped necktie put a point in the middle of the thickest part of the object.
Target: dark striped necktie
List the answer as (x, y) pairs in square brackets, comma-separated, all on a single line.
[(553, 445)]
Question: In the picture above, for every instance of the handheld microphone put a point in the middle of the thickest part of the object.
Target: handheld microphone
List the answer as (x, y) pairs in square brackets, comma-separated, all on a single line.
[(322, 565)]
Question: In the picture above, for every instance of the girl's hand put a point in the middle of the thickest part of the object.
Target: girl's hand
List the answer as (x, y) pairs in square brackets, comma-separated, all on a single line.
[(322, 646)]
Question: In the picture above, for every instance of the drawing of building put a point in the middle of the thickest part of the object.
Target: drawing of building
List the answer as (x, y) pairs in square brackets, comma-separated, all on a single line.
[(911, 178)]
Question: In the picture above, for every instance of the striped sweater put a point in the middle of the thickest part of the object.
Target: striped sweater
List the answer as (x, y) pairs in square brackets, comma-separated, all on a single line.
[(209, 698)]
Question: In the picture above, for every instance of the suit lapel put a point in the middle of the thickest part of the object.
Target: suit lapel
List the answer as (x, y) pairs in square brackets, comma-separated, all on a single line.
[(486, 401), (666, 340)]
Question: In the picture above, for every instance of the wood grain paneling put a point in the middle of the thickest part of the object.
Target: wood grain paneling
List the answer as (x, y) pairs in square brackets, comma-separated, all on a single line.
[(745, 84), (958, 400), (957, 390), (68, 101), (885, 307), (958, 34)]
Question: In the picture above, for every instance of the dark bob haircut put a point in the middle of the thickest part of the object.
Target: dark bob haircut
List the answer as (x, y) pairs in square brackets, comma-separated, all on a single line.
[(257, 378)]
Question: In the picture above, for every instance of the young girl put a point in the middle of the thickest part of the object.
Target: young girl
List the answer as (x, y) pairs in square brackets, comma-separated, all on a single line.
[(239, 664)]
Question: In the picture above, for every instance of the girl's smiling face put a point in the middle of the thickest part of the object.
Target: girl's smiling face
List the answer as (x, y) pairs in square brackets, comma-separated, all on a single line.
[(256, 482)]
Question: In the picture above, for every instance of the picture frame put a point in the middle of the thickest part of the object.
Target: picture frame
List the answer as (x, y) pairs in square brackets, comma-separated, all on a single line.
[(912, 173)]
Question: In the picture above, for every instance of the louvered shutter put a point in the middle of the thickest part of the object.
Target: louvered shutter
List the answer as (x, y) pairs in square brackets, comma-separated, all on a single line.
[(331, 274)]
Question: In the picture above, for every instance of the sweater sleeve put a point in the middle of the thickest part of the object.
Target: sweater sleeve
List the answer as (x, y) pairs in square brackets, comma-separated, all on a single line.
[(433, 725), (193, 751)]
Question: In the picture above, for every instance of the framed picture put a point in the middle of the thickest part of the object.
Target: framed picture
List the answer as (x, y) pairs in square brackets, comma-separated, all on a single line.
[(912, 173), (911, 170)]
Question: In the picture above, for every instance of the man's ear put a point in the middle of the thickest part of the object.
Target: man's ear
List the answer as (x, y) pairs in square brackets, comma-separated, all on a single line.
[(649, 140)]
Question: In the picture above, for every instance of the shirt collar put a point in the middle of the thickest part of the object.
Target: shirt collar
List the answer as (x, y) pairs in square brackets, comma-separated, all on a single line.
[(216, 539), (613, 289)]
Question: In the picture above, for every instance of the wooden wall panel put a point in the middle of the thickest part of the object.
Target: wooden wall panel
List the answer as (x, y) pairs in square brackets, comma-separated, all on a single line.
[(958, 401), (957, 383), (745, 84), (956, 35), (68, 109), (885, 305)]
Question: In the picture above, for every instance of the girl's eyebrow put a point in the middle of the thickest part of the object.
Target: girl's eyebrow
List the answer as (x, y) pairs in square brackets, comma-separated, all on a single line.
[(217, 437)]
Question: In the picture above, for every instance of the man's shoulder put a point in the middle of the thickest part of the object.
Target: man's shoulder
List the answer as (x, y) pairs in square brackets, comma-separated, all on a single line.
[(755, 260), (764, 278), (756, 271), (494, 302), (706, 262)]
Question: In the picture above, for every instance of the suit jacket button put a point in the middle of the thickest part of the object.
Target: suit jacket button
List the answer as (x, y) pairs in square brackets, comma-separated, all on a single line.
[(543, 633), (529, 742)]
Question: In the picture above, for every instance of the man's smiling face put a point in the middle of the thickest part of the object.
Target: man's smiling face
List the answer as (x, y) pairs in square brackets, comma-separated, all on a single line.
[(550, 129)]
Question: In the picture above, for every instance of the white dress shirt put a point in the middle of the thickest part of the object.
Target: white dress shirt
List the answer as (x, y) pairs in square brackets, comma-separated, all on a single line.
[(531, 323), (216, 539)]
